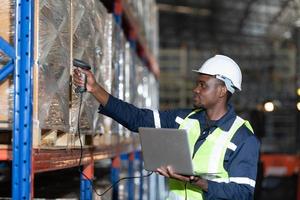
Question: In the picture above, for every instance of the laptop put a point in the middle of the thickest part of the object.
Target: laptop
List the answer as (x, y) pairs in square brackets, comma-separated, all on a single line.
[(163, 146)]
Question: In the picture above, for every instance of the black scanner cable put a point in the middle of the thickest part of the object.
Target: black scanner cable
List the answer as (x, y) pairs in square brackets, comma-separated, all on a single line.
[(81, 64)]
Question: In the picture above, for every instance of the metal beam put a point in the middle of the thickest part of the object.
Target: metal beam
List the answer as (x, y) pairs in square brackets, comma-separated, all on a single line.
[(245, 16), (6, 48), (6, 70), (284, 5)]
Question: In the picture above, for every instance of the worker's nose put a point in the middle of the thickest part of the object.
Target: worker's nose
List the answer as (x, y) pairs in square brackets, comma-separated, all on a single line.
[(196, 90)]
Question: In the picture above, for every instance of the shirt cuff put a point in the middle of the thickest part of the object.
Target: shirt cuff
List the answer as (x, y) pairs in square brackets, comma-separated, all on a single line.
[(102, 109), (207, 195)]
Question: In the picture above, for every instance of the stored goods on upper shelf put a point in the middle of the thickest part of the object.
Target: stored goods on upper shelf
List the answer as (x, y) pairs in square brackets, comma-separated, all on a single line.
[(51, 78), (145, 14), (89, 32), (51, 90), (61, 33), (118, 65), (65, 30), (146, 95)]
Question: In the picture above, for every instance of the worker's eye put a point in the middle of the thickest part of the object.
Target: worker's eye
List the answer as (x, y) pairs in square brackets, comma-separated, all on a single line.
[(201, 85)]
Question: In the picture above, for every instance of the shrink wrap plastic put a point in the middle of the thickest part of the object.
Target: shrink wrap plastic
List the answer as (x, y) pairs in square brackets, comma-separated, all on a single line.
[(54, 64), (91, 45), (82, 30), (118, 65)]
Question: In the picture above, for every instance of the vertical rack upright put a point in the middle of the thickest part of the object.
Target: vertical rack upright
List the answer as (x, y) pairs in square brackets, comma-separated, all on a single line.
[(22, 138), (21, 65)]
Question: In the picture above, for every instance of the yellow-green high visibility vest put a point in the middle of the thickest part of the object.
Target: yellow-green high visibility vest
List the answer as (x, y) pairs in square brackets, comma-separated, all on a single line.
[(209, 158)]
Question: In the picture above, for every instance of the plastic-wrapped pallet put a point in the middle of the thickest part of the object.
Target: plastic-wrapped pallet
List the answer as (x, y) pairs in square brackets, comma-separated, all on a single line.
[(138, 98), (6, 86), (153, 91), (89, 43), (147, 87), (145, 13), (118, 64), (83, 48), (107, 64), (129, 73), (103, 61), (53, 64), (52, 77)]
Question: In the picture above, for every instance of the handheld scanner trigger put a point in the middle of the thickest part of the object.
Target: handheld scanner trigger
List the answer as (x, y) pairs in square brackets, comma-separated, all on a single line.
[(83, 65)]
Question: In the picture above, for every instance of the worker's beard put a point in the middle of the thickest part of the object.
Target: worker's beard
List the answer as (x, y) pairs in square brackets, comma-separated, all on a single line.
[(198, 106), (197, 102)]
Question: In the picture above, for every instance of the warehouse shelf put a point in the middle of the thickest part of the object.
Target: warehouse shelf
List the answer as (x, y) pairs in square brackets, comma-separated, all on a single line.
[(125, 17), (60, 158), (27, 161)]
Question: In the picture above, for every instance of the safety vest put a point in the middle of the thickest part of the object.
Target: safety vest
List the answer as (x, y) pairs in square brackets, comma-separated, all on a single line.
[(208, 159)]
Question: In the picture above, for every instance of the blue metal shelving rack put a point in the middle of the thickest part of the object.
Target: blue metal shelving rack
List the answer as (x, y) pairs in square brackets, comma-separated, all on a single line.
[(21, 64)]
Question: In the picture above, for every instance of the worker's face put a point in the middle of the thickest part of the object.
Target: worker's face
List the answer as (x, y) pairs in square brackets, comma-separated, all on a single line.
[(207, 91)]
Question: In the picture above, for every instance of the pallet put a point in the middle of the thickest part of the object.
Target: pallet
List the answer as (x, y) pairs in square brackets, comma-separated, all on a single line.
[(53, 139)]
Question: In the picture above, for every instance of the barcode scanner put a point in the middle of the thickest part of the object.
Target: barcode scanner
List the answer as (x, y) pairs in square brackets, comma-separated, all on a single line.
[(83, 65)]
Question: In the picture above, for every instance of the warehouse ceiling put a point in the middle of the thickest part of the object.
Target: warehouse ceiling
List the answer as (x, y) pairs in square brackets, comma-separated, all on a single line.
[(256, 19)]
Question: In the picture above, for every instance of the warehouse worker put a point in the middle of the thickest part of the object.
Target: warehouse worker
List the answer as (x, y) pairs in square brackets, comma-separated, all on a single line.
[(222, 142)]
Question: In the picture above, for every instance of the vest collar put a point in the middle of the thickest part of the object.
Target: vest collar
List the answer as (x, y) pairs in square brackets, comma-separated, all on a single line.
[(224, 123)]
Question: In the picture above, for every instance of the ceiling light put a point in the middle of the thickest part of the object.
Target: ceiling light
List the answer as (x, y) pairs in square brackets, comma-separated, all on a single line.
[(287, 35), (297, 23), (269, 106), (298, 106)]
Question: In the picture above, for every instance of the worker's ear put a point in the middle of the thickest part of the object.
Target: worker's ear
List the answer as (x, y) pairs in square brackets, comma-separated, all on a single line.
[(222, 91)]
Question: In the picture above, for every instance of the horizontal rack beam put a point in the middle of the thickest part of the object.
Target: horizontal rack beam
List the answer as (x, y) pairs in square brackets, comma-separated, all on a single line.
[(56, 158)]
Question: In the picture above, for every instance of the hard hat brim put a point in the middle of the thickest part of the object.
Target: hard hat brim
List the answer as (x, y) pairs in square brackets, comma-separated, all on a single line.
[(198, 72)]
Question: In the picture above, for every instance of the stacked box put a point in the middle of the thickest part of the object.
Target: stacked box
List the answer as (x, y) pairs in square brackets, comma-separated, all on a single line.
[(118, 65), (138, 97), (54, 55), (107, 64), (103, 63), (128, 78), (146, 94), (83, 33), (91, 46), (53, 64), (83, 30), (145, 13), (128, 73)]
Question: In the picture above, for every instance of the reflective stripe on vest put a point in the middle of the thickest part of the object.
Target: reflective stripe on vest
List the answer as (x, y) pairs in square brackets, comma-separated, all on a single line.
[(209, 158)]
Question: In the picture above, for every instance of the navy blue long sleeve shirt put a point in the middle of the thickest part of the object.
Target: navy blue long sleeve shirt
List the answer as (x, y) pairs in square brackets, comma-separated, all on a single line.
[(240, 159)]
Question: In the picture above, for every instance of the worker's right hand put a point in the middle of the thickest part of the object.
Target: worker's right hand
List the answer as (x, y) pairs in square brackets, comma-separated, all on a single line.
[(91, 83)]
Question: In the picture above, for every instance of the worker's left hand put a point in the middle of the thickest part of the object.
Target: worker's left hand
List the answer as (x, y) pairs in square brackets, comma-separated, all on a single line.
[(168, 172)]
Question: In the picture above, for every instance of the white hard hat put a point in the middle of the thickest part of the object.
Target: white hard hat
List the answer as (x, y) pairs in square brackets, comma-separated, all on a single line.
[(225, 69)]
